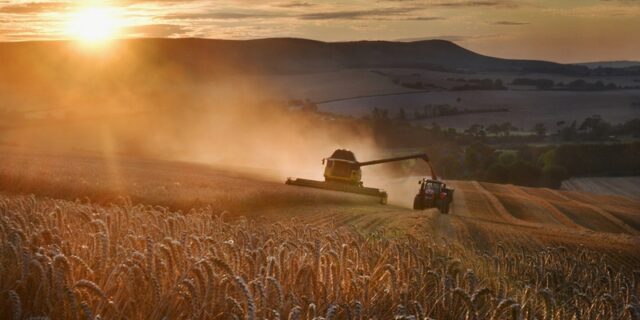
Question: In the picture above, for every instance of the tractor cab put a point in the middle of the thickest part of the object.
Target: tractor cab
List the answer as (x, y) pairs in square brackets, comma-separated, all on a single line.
[(428, 186)]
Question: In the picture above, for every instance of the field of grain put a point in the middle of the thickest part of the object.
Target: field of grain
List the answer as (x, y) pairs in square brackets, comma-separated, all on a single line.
[(624, 186), (349, 83), (525, 107), (182, 241)]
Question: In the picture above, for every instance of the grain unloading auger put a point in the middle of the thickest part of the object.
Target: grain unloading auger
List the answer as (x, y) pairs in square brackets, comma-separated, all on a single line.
[(342, 173)]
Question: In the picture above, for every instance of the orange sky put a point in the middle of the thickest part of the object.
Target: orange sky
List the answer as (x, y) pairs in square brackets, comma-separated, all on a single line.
[(565, 31)]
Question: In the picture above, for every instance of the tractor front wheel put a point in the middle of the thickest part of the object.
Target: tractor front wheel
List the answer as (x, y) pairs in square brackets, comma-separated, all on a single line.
[(418, 203)]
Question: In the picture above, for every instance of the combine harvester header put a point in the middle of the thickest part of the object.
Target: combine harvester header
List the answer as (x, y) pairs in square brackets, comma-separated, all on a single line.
[(342, 173)]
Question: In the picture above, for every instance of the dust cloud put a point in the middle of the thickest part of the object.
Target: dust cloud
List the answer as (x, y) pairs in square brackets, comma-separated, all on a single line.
[(233, 122), (122, 106)]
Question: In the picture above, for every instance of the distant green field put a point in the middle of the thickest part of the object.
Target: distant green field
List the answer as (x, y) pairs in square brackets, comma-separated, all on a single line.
[(526, 108)]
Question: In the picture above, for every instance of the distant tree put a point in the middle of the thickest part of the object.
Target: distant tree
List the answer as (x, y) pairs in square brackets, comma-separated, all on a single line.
[(544, 84), (450, 166), (540, 129), (553, 175), (498, 85), (506, 128), (380, 114), (476, 130), (401, 115), (596, 127), (579, 84), (568, 133), (631, 127), (547, 158), (497, 173), (435, 128), (450, 132), (428, 110), (493, 129), (524, 173), (478, 156), (599, 85), (507, 159)]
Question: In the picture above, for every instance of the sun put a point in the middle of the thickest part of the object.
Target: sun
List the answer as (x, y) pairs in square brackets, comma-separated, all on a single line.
[(93, 24)]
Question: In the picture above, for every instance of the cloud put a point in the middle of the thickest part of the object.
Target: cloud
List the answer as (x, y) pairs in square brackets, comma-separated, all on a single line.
[(357, 14), (33, 7), (374, 14), (219, 15), (160, 30), (294, 4), (623, 1), (478, 3), (133, 2), (425, 18), (511, 23)]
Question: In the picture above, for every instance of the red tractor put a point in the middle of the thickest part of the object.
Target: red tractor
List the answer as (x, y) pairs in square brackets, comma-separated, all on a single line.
[(433, 194)]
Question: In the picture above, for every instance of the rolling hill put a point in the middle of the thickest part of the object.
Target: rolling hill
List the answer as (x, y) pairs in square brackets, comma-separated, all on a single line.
[(610, 64), (205, 58)]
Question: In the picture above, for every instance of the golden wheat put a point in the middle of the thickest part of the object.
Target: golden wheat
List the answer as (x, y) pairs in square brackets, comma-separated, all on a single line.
[(75, 260)]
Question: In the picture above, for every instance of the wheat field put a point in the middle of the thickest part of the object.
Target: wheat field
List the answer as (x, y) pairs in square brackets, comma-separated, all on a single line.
[(176, 241), (77, 260)]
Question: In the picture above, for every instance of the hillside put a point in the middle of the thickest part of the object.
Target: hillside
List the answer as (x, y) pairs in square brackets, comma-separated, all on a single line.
[(148, 62), (279, 55), (610, 64)]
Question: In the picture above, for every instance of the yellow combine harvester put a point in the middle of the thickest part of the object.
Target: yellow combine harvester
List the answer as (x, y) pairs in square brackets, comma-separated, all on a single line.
[(342, 173)]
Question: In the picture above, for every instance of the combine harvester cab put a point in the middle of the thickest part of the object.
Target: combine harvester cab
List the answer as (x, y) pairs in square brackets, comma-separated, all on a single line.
[(343, 173)]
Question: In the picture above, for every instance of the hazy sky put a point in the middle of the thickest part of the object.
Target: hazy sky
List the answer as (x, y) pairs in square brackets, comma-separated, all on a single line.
[(560, 30)]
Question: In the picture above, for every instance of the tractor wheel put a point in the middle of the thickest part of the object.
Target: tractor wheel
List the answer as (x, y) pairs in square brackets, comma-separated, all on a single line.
[(443, 206), (418, 203), (383, 200)]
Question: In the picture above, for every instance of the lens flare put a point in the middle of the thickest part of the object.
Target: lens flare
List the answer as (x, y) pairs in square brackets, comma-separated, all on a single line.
[(94, 24)]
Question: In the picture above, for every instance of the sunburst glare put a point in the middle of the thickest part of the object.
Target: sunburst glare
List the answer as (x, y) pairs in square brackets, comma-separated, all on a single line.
[(94, 25)]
